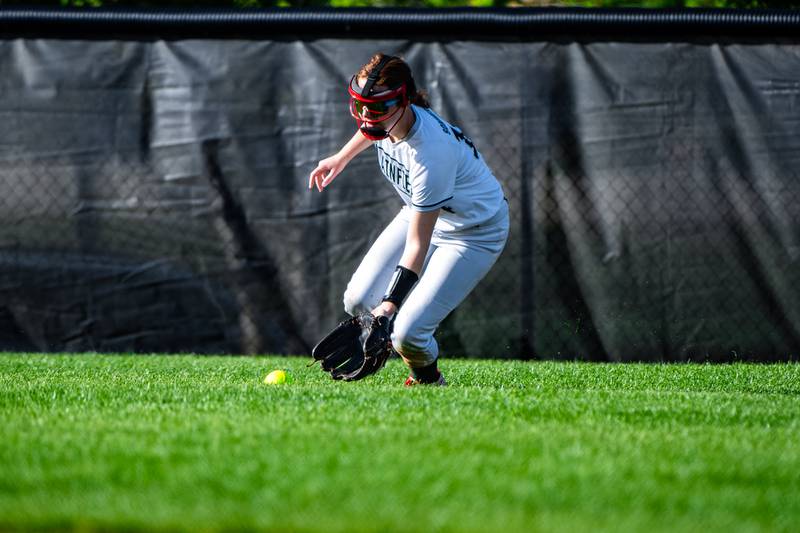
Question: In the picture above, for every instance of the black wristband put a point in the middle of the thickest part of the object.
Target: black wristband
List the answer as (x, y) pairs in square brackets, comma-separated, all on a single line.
[(402, 282)]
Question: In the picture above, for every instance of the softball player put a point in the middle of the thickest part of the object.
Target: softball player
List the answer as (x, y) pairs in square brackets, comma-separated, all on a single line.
[(449, 233)]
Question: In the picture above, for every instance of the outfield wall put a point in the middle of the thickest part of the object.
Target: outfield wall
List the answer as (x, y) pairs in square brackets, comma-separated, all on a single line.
[(153, 181)]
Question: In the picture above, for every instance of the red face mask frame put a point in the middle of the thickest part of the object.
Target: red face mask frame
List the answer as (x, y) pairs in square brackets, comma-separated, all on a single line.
[(372, 109)]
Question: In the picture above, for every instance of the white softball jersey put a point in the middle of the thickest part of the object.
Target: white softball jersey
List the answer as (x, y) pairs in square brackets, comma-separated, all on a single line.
[(437, 166)]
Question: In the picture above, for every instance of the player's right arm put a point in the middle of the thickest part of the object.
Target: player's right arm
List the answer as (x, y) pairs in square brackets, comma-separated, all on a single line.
[(329, 168)]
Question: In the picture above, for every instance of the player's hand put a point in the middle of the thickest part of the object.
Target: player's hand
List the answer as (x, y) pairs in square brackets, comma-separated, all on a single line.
[(387, 309), (326, 171)]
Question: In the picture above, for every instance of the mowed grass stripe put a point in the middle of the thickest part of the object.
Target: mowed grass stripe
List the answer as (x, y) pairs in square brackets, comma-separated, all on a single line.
[(183, 443)]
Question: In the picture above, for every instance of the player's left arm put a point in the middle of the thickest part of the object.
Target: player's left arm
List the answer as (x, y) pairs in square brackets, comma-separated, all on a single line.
[(432, 176), (418, 240)]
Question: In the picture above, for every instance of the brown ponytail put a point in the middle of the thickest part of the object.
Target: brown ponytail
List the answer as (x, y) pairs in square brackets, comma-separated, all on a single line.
[(393, 74)]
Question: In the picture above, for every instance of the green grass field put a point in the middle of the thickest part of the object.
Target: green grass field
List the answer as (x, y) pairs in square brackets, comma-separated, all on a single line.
[(181, 443)]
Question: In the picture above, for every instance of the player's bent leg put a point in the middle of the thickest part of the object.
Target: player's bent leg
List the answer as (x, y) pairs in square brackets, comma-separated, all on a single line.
[(417, 347), (453, 270), (421, 361), (369, 281), (414, 343)]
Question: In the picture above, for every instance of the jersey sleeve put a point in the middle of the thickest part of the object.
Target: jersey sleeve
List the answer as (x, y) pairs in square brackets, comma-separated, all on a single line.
[(433, 181)]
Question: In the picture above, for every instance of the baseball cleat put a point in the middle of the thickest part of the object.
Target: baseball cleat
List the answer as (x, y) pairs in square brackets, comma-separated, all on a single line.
[(411, 381)]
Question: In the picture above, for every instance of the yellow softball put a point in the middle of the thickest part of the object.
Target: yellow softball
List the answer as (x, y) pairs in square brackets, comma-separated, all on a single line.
[(276, 377)]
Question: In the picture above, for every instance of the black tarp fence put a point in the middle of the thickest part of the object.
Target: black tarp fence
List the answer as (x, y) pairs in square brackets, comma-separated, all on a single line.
[(154, 170)]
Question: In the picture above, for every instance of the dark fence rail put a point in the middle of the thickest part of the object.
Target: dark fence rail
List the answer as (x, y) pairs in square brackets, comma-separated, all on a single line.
[(530, 24)]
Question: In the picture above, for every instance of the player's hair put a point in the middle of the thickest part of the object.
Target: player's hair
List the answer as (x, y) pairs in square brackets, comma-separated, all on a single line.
[(393, 74)]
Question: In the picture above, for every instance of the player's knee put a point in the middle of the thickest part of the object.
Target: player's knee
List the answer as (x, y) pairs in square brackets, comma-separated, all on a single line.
[(355, 302), (407, 339)]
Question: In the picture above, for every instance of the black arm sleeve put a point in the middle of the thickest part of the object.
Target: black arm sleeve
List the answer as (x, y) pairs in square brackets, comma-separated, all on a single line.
[(403, 280)]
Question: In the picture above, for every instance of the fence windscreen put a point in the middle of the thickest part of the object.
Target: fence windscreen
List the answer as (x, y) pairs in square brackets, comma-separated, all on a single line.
[(154, 193)]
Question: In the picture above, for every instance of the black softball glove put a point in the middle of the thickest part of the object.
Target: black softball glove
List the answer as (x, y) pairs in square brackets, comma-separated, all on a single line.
[(356, 348)]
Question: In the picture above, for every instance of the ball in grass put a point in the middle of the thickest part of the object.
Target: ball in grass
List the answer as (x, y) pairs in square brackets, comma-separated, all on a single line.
[(277, 377)]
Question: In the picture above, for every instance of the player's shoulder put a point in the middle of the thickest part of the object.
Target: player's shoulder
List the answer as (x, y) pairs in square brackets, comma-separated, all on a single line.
[(432, 124), (433, 136)]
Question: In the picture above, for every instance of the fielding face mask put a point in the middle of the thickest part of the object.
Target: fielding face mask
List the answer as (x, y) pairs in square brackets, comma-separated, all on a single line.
[(370, 109)]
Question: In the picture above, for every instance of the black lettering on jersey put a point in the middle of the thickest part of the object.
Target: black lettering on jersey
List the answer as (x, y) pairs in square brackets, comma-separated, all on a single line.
[(394, 171), (466, 140), (440, 121)]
